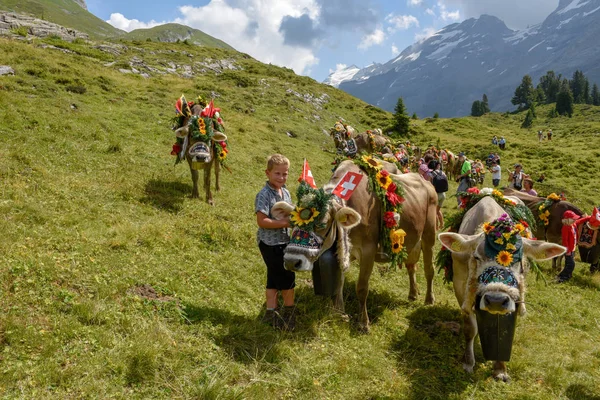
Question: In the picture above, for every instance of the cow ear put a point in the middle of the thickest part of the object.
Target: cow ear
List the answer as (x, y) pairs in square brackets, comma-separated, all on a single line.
[(281, 210), (457, 243), (182, 132), (540, 250), (219, 136), (347, 217)]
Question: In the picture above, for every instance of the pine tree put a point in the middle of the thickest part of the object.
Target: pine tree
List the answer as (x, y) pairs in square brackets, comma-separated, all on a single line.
[(414, 116), (476, 109), (524, 94), (401, 120), (528, 121), (485, 107), (595, 95), (532, 110), (550, 85), (579, 87), (436, 115), (564, 101)]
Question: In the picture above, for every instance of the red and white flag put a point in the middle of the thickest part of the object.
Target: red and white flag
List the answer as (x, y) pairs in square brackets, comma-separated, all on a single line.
[(307, 175), (347, 184)]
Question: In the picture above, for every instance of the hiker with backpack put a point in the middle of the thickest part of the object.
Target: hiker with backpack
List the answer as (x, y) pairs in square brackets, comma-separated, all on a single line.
[(439, 180)]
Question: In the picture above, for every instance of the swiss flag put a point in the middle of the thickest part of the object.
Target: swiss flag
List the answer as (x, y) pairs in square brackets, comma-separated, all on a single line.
[(307, 175), (347, 184)]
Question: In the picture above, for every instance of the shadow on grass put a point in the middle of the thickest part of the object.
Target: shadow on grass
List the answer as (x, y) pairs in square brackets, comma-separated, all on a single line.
[(167, 196), (581, 392), (431, 354)]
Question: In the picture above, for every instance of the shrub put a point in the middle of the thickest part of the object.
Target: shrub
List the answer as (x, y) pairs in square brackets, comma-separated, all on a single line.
[(79, 89), (21, 31)]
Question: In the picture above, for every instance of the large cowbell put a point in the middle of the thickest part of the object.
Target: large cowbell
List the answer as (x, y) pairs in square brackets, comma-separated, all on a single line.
[(200, 154), (496, 333), (327, 274)]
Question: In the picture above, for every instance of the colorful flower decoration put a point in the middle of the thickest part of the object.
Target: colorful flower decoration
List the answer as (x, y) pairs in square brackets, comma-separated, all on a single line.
[(312, 203), (303, 216), (553, 196), (504, 258), (397, 240), (384, 180), (503, 240), (371, 163), (544, 207)]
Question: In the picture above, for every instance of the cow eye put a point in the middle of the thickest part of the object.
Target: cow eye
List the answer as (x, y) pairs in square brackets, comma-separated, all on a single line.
[(477, 258)]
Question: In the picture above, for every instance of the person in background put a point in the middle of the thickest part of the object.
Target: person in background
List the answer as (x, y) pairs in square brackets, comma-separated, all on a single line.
[(464, 178), (515, 178), (273, 237), (569, 240), (439, 180), (424, 172), (549, 134), (528, 187), (540, 135), (502, 143), (495, 140), (496, 173)]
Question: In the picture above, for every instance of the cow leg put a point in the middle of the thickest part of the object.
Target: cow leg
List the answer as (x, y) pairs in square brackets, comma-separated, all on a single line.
[(195, 175), (413, 292), (362, 285), (470, 331), (500, 373), (427, 243), (217, 173), (207, 172)]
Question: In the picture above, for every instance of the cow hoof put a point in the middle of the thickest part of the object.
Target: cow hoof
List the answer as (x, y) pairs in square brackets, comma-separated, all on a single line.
[(502, 376), (195, 196), (364, 329), (211, 203), (468, 368), (412, 297), (429, 300)]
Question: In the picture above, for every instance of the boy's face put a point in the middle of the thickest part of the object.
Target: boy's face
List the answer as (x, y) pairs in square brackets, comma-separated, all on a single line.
[(278, 175)]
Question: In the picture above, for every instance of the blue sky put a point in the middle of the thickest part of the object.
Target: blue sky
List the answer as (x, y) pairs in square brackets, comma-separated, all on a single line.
[(316, 37)]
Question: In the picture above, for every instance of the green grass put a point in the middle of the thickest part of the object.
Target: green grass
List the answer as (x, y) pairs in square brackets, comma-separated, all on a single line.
[(93, 209)]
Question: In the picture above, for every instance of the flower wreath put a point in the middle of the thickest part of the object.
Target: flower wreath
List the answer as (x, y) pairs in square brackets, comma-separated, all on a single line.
[(544, 207), (311, 204), (201, 127), (371, 137), (470, 198), (391, 197), (503, 240)]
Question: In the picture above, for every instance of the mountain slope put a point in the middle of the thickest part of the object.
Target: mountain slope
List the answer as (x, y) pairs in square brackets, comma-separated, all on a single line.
[(448, 71), (175, 32), (68, 13)]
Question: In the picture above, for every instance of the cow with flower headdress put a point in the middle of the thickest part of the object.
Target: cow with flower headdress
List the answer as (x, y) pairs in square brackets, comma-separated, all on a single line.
[(348, 143), (490, 255), (388, 218), (201, 140)]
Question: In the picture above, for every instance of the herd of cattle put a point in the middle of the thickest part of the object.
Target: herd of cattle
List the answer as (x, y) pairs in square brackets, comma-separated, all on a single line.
[(352, 229)]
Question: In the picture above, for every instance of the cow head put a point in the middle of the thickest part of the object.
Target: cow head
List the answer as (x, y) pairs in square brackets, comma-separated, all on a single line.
[(497, 259), (201, 135), (318, 220)]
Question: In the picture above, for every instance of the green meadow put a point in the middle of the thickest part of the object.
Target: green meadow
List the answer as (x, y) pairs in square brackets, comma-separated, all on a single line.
[(116, 284)]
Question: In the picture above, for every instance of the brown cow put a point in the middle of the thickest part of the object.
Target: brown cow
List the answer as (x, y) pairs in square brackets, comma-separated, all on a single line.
[(201, 155), (552, 231), (363, 214), (475, 279)]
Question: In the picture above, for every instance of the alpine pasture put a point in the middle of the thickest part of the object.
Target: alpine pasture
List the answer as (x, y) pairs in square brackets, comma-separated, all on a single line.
[(116, 284)]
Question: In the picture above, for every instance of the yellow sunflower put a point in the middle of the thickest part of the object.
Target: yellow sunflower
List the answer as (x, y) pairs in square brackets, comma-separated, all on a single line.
[(202, 126), (372, 163), (397, 238), (496, 192), (487, 227), (553, 196), (504, 258), (222, 155), (520, 228), (303, 216), (384, 180)]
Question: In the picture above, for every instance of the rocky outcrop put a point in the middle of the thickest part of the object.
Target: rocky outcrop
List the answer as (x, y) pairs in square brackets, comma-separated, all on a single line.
[(81, 3), (14, 24)]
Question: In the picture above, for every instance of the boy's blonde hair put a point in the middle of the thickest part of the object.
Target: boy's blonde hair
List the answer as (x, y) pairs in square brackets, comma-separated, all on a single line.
[(277, 159)]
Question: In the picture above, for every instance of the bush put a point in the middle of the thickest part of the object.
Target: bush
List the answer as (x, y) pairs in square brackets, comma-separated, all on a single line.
[(76, 89), (21, 31)]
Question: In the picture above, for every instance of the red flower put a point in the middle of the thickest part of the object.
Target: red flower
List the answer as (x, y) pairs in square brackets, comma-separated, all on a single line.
[(463, 202), (223, 144), (389, 219), (384, 173), (392, 187), (176, 149), (393, 198), (473, 190)]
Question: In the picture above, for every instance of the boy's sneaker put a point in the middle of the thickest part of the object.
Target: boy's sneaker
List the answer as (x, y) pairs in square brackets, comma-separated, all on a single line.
[(269, 317), (288, 318)]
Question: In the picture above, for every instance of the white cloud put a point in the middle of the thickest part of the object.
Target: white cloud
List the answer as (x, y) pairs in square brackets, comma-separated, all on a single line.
[(447, 15), (376, 37), (430, 12), (118, 20), (395, 50), (414, 3), (338, 67), (250, 26), (403, 22), (424, 34), (516, 14)]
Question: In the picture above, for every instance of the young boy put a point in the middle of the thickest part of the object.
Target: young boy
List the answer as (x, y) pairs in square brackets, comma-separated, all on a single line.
[(272, 239), (569, 240), (496, 173)]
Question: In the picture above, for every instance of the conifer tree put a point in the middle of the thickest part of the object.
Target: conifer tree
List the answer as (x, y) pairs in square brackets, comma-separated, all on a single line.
[(564, 101), (595, 95), (476, 109), (528, 121), (401, 120), (550, 85), (524, 94), (579, 87), (485, 107)]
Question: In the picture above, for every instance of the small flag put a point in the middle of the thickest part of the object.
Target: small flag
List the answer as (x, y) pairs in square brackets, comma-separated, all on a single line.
[(307, 175), (347, 184)]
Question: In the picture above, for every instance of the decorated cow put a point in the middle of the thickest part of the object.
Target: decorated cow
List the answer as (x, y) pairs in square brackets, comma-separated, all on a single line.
[(201, 140), (388, 218), (349, 144), (489, 256)]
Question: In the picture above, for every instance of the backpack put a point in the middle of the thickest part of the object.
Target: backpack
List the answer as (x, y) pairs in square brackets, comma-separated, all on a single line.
[(439, 181)]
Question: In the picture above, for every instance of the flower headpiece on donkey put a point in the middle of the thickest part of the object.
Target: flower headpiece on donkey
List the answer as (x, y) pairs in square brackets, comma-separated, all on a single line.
[(503, 240)]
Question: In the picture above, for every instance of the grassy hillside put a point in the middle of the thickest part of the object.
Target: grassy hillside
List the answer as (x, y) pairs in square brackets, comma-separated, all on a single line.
[(63, 12), (175, 32), (93, 211)]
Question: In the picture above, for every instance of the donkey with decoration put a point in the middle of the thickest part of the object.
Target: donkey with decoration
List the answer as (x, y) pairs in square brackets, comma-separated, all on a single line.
[(201, 141)]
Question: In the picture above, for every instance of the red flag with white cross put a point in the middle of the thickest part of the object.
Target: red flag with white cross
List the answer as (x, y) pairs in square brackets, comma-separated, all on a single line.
[(347, 184), (307, 175)]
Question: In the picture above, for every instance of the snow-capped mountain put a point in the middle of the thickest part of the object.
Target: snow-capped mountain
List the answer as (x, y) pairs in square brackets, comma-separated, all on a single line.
[(448, 71), (341, 75)]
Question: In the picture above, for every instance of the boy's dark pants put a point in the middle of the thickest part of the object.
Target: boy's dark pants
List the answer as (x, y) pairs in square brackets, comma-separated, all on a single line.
[(567, 272)]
